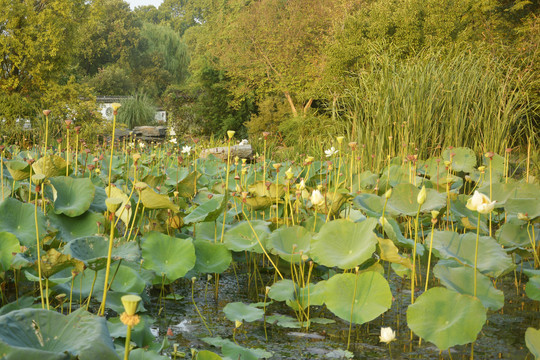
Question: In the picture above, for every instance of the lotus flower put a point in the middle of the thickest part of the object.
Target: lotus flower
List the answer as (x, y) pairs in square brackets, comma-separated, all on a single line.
[(387, 335), (481, 203), (186, 150), (331, 152), (317, 198)]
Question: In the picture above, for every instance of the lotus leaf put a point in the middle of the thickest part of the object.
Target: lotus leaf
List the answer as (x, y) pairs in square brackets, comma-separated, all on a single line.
[(527, 206), (186, 187), (344, 244), (492, 259), (238, 311), (446, 318), (49, 335), (208, 211), (153, 200), (390, 253), (283, 290), (262, 189), (366, 295), (533, 288), (463, 159), (242, 237), (461, 279), (19, 170), (50, 166), (124, 213), (211, 257), (230, 349), (403, 200), (259, 202), (72, 197), (532, 340), (18, 218), (9, 246), (372, 205), (146, 354), (514, 234), (70, 228), (283, 240), (168, 256)]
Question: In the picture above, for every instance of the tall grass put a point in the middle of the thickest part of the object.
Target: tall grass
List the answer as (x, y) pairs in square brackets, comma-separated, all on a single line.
[(456, 99), (136, 111)]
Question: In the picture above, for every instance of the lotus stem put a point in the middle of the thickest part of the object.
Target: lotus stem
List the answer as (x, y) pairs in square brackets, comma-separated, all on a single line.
[(128, 342), (67, 151), (414, 255), (38, 251), (91, 290), (226, 184), (196, 308), (433, 222), (476, 256), (47, 292), (108, 268), (46, 134), (352, 309), (2, 172), (73, 274)]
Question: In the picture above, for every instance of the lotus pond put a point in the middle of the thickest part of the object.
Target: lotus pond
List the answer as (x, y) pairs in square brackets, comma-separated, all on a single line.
[(237, 259)]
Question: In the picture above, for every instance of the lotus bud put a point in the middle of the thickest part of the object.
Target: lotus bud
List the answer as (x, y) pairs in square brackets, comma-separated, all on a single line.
[(267, 290), (208, 277), (302, 185), (383, 221), (113, 204), (388, 193), (230, 134), (317, 198), (131, 302), (193, 279), (289, 173), (421, 198), (175, 194)]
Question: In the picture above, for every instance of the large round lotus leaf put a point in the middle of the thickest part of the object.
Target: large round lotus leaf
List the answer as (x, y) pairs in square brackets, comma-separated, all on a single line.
[(282, 241), (19, 170), (344, 244), (210, 230), (234, 351), (492, 259), (283, 290), (365, 181), (127, 279), (514, 234), (529, 207), (18, 218), (532, 340), (9, 246), (446, 318), (168, 256), (403, 200), (186, 187), (241, 237), (461, 279), (98, 205), (238, 311), (533, 288), (211, 257), (398, 174), (392, 230), (146, 354), (207, 355), (464, 159), (208, 211), (260, 188), (50, 166), (49, 335), (93, 251), (312, 294), (153, 200), (368, 294), (72, 197), (371, 204), (259, 202), (70, 228)]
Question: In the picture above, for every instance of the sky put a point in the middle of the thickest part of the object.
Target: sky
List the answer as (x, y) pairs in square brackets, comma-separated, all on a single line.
[(135, 3)]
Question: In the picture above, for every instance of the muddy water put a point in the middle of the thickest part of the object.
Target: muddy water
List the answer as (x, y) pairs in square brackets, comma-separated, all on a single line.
[(502, 337)]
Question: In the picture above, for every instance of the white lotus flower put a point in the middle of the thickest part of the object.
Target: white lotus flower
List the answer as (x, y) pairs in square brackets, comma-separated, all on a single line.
[(173, 140), (142, 145), (387, 335), (331, 152), (481, 203), (172, 132), (244, 142), (317, 198), (186, 150), (302, 184)]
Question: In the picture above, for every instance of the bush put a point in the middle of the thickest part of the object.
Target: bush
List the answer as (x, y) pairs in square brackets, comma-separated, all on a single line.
[(137, 111)]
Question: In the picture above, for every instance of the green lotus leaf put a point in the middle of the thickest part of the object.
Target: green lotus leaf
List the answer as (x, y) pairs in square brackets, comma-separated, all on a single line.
[(259, 202), (260, 188), (282, 241), (403, 200), (175, 175), (93, 251), (153, 200), (365, 181), (49, 335), (19, 170), (398, 174), (446, 318), (207, 355), (310, 295), (283, 290), (98, 205), (367, 294), (464, 159), (492, 259), (533, 288), (207, 211), (284, 321), (372, 205), (50, 166), (18, 218), (238, 311), (9, 246), (532, 340), (390, 253), (168, 256), (241, 237), (72, 197), (146, 354), (461, 279), (392, 230), (529, 207), (211, 257), (514, 234), (70, 228), (234, 351), (344, 244), (210, 230)]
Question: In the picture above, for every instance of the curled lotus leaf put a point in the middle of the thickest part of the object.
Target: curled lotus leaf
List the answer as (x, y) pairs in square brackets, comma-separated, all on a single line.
[(19, 170), (50, 166)]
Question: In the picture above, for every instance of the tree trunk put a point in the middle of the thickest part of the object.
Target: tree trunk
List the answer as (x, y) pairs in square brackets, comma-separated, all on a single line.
[(290, 100), (308, 106)]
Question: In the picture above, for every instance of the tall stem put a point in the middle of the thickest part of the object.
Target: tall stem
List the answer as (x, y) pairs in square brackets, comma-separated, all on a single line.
[(38, 252), (476, 252), (108, 268)]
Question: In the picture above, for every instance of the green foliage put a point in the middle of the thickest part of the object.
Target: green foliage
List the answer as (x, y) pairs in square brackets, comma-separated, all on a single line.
[(113, 79), (136, 111)]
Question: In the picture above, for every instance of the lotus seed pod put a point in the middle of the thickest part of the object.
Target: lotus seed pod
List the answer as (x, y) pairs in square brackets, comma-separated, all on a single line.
[(230, 134), (434, 214), (113, 204), (116, 106), (38, 179), (46, 112), (237, 324), (140, 186), (340, 139), (130, 303)]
